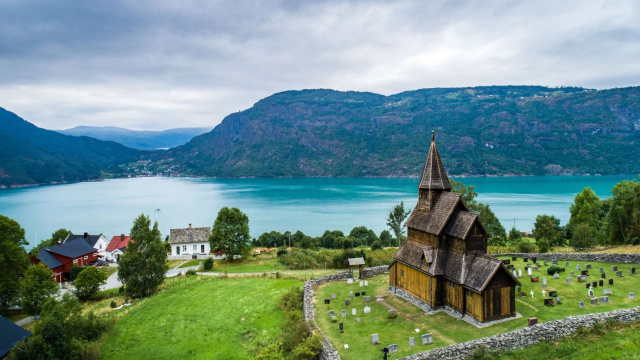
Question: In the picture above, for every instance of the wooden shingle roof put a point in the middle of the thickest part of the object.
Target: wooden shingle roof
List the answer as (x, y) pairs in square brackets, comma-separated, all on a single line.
[(461, 224), (433, 175), (356, 261), (411, 253), (434, 221)]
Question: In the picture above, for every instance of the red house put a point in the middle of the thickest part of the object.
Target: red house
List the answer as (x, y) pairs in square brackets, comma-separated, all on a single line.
[(117, 246), (60, 258)]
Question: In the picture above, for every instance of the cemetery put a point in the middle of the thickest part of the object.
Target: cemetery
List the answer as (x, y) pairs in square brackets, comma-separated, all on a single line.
[(551, 298)]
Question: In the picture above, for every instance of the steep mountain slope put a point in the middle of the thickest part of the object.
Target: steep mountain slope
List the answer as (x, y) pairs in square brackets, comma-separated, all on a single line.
[(495, 130), (31, 155), (141, 140)]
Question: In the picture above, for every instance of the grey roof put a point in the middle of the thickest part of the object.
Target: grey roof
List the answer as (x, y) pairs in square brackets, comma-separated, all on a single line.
[(90, 239), (72, 248), (189, 235), (434, 221), (10, 334), (48, 259), (433, 175), (461, 224), (356, 261)]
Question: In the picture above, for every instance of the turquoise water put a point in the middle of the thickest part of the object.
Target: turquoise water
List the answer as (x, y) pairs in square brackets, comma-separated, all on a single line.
[(308, 204)]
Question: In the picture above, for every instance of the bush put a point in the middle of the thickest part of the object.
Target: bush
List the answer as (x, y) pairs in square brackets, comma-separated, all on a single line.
[(309, 349), (282, 251), (524, 246), (376, 245), (208, 264), (553, 269), (88, 282), (75, 270), (113, 304), (543, 245), (190, 272)]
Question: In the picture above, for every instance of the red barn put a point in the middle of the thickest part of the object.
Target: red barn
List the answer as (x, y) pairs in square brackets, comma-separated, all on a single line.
[(60, 258)]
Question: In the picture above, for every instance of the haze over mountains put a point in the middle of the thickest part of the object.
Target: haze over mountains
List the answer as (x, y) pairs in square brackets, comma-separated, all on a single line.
[(495, 130), (141, 140)]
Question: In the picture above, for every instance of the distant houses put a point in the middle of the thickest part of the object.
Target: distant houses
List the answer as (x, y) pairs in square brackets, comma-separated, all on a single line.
[(190, 241), (117, 247)]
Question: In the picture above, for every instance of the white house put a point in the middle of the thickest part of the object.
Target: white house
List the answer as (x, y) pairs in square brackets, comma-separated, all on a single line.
[(98, 242), (190, 241)]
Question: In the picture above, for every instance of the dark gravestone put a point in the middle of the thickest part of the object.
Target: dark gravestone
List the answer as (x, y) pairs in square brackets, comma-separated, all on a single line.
[(347, 302), (357, 294), (553, 293), (513, 258), (588, 266), (585, 272), (610, 281), (614, 268), (327, 301), (534, 259), (519, 288), (548, 301), (633, 270), (588, 285), (601, 282), (341, 327), (619, 273), (525, 259), (603, 276), (363, 293), (532, 321), (594, 301), (506, 261), (594, 284), (602, 270), (535, 279)]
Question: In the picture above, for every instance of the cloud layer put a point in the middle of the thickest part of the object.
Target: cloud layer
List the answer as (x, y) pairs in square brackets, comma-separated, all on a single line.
[(162, 64)]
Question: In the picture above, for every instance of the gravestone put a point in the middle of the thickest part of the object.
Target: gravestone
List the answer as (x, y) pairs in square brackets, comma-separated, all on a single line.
[(363, 293), (556, 276), (343, 313), (594, 284), (367, 299), (519, 288), (619, 273), (614, 268), (341, 327), (347, 302), (535, 279), (525, 259), (327, 301), (600, 282), (558, 300), (534, 259), (353, 311), (529, 271), (582, 278), (351, 294), (349, 281), (392, 314), (532, 321), (607, 292), (544, 282), (513, 258), (633, 270), (361, 283), (632, 296), (610, 281), (604, 299), (590, 293), (566, 264), (553, 293), (515, 274), (412, 342), (581, 304), (506, 261), (334, 296), (573, 274), (391, 288), (569, 280), (357, 319), (375, 339), (367, 309), (588, 266), (594, 301), (393, 348), (519, 273), (578, 267), (585, 272), (366, 283), (427, 339), (535, 268), (357, 294), (332, 313), (601, 270), (587, 285), (548, 301), (554, 262), (603, 276)]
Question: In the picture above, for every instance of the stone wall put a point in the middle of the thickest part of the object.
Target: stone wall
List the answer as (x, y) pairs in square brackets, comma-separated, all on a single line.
[(614, 258), (373, 271)]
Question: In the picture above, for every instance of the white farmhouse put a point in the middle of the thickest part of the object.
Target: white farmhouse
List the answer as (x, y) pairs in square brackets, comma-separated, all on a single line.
[(190, 241)]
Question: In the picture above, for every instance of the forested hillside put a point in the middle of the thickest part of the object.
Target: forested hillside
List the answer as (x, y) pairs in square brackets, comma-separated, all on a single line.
[(31, 155), (497, 130), (141, 140)]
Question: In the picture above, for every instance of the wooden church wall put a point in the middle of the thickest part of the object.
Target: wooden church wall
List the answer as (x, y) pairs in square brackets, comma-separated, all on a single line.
[(413, 281)]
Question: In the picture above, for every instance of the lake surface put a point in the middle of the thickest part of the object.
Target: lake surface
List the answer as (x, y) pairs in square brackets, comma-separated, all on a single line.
[(311, 205)]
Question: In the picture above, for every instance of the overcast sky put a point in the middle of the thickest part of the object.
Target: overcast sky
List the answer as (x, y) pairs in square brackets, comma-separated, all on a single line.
[(163, 64)]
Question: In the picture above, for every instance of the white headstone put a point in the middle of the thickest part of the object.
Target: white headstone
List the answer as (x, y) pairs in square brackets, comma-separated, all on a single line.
[(412, 342), (515, 274), (581, 304), (569, 280), (361, 283), (578, 267), (375, 339), (353, 311), (544, 281), (427, 339), (334, 296), (519, 272), (632, 296), (349, 281), (346, 346), (544, 293), (351, 294), (607, 292), (556, 276), (343, 313), (531, 294), (590, 292), (529, 271), (367, 309), (558, 300), (366, 283)]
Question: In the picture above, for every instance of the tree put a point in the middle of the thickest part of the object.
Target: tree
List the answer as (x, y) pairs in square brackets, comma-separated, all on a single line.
[(88, 282), (13, 261), (37, 286), (385, 238), (622, 221), (514, 235), (495, 231), (396, 219), (58, 236), (584, 236), (586, 208), (230, 233), (143, 266), (548, 227), (363, 235)]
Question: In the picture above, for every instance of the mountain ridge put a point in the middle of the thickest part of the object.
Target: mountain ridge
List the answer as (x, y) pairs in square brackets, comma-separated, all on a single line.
[(138, 139)]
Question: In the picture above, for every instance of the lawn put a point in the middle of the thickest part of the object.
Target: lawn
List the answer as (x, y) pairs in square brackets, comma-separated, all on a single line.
[(173, 263), (192, 262), (449, 330), (258, 265), (109, 270), (206, 318)]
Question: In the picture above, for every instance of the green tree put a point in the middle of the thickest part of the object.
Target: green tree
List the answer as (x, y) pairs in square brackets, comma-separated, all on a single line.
[(514, 235), (230, 233), (88, 282), (13, 261), (58, 235), (385, 238), (396, 219), (586, 208), (363, 235), (495, 231), (584, 236), (548, 227), (622, 221), (143, 266), (37, 286)]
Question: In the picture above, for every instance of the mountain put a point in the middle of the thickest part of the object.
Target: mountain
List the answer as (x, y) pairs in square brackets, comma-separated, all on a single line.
[(494, 130), (31, 155), (142, 140)]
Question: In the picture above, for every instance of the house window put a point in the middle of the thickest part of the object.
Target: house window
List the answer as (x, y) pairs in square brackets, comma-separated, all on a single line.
[(184, 248), (100, 247), (401, 273), (195, 248), (86, 257), (452, 284), (75, 261), (95, 254), (469, 293)]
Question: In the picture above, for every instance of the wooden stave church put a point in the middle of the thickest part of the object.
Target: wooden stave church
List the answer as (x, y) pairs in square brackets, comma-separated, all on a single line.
[(444, 261)]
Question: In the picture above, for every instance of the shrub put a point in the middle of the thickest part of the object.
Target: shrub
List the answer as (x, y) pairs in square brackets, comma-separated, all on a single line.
[(75, 270), (282, 251), (120, 289), (376, 245), (553, 269), (208, 264), (113, 304), (309, 349), (543, 245), (190, 272), (525, 246)]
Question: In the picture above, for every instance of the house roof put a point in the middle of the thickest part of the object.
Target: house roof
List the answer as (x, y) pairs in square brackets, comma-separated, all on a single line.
[(434, 175), (10, 334), (356, 261), (411, 253), (72, 248), (189, 235), (48, 259), (461, 224), (434, 221), (90, 239), (118, 242)]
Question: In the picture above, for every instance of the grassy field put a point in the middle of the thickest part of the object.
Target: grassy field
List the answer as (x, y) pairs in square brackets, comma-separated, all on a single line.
[(192, 262), (449, 330), (109, 270), (206, 318), (173, 263)]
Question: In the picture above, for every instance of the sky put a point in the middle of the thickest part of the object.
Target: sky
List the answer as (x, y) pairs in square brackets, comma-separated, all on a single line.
[(154, 65)]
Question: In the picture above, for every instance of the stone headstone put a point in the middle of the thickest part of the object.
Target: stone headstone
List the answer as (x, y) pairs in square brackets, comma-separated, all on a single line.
[(534, 259), (351, 294), (610, 281), (392, 314), (633, 270), (347, 302), (535, 279), (585, 272), (573, 274), (544, 282), (357, 319), (548, 301), (519, 273), (367, 309), (515, 274), (594, 284), (581, 304), (554, 262), (619, 273), (588, 266), (566, 264), (587, 285), (427, 339), (582, 278), (632, 296), (603, 276), (558, 300), (600, 282), (357, 294), (349, 281), (536, 268), (614, 268), (590, 293), (569, 280), (332, 313), (594, 301), (556, 276), (604, 299), (513, 258), (343, 313), (607, 291), (361, 283), (375, 339), (334, 296), (525, 259), (529, 272), (327, 301), (367, 299), (553, 293), (391, 288), (412, 342), (506, 261), (393, 348), (532, 321), (366, 283), (341, 327), (577, 266), (363, 293), (601, 270), (353, 311)]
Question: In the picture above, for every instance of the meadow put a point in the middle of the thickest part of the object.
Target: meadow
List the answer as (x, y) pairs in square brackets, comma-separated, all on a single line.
[(446, 329)]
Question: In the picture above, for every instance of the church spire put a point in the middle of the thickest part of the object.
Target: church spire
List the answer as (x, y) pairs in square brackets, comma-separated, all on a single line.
[(434, 176)]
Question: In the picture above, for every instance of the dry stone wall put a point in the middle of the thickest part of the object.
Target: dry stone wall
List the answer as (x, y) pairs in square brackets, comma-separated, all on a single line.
[(615, 258)]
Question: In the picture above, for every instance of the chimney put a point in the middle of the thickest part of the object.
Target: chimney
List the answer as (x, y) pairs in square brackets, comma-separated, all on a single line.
[(122, 237), (190, 226), (86, 235)]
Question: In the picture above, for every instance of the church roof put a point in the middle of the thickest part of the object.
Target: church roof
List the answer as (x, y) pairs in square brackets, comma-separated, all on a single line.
[(461, 224), (434, 221), (434, 176)]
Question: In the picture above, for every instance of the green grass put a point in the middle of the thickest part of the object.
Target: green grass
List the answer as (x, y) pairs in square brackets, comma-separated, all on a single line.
[(109, 270), (258, 265), (206, 318), (173, 263), (192, 262), (449, 330)]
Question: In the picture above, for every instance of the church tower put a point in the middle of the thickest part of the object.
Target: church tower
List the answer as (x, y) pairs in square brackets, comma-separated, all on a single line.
[(434, 178)]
